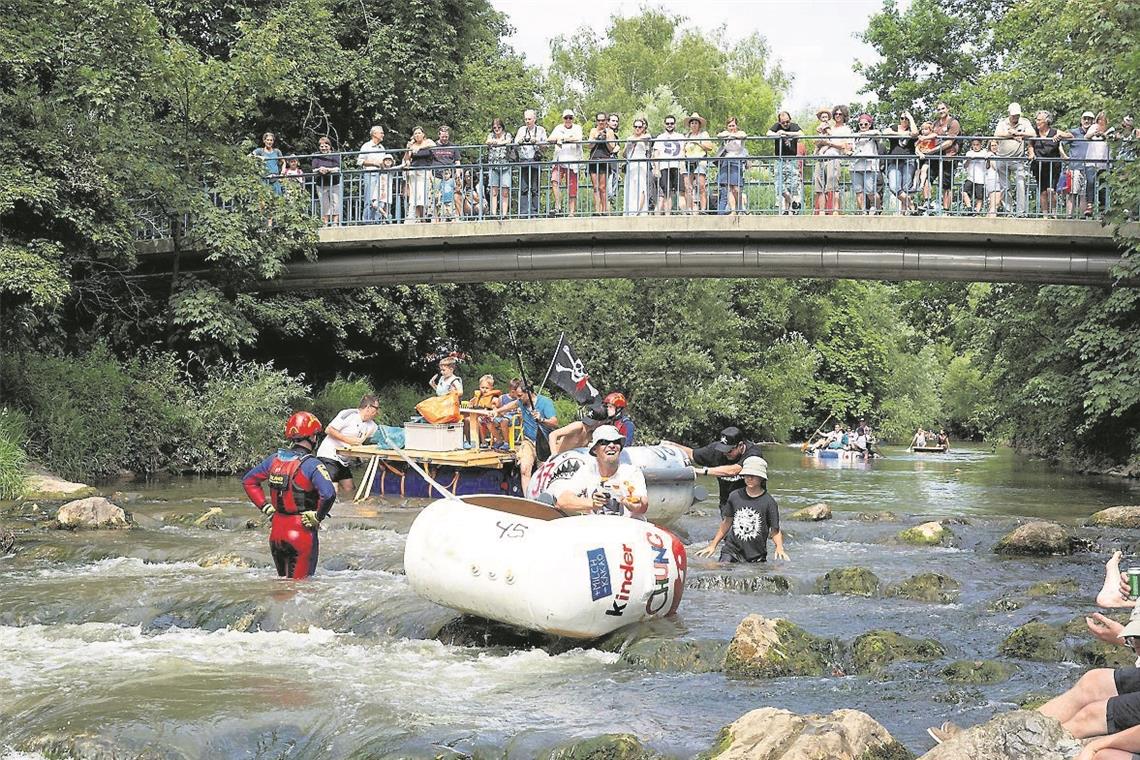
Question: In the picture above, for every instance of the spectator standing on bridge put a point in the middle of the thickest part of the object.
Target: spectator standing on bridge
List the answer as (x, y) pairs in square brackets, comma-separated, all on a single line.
[(698, 146), (924, 146), (1012, 133), (1080, 175), (901, 145), (603, 145), (787, 169), (445, 157), (326, 171), (730, 172), (1045, 164), (615, 167), (498, 172), (825, 174), (567, 156), (948, 128), (1129, 136), (841, 141), (294, 174), (371, 159), (270, 161), (667, 166), (865, 169), (531, 140), (418, 157), (1097, 160), (637, 172), (977, 164)]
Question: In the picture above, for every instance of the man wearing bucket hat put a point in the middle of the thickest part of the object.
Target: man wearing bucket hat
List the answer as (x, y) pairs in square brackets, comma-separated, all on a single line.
[(606, 485), (749, 518)]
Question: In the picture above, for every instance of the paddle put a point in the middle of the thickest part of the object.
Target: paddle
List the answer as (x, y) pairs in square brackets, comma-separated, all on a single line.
[(805, 444)]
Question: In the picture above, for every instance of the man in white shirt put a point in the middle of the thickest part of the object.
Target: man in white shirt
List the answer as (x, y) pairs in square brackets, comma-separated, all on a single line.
[(371, 159), (667, 154), (530, 138), (1010, 159), (568, 137), (606, 485), (352, 427)]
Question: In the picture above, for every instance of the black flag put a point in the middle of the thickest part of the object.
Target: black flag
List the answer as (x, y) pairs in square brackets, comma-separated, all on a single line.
[(570, 375)]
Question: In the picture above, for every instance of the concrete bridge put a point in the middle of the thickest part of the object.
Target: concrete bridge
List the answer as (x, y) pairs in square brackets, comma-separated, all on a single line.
[(858, 247)]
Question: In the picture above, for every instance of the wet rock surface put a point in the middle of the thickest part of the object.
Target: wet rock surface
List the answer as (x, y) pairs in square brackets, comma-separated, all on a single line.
[(607, 747), (1018, 735), (773, 647), (931, 533), (977, 671), (1037, 538), (93, 512), (927, 587), (856, 581), (42, 484), (773, 584), (1034, 641), (1115, 517), (773, 734), (814, 513), (875, 650), (687, 656)]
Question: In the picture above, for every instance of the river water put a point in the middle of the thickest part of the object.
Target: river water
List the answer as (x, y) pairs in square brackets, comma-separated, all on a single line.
[(136, 640)]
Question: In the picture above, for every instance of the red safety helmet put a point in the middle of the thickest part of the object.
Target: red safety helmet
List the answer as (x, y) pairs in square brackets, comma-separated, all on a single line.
[(302, 425), (617, 399)]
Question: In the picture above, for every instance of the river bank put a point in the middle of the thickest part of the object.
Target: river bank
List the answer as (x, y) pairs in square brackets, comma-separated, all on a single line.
[(174, 638)]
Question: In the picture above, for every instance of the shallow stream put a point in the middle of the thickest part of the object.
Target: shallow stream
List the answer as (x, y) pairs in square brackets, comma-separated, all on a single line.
[(144, 642)]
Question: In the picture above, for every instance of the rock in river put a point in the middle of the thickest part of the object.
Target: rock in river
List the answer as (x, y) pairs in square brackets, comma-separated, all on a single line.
[(773, 734), (1115, 517), (856, 581), (1017, 735), (875, 650), (931, 533), (814, 513), (688, 656), (1036, 538), (927, 587), (606, 747), (1034, 641), (977, 671), (94, 512), (773, 648)]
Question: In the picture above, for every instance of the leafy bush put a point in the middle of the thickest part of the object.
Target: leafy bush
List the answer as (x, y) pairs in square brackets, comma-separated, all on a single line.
[(341, 393), (398, 402), (13, 427)]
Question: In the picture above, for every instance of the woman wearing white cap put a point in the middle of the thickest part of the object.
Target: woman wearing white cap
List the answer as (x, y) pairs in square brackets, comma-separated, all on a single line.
[(607, 486), (748, 519)]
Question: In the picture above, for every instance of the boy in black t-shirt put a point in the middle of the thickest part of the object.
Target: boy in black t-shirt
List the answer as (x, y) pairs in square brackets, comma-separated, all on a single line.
[(748, 519)]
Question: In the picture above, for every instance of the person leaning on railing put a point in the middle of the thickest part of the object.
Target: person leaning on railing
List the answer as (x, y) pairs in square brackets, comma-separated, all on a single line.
[(730, 169), (371, 159), (531, 141), (603, 144), (326, 171), (787, 170), (901, 160), (637, 174), (695, 169), (418, 159), (498, 171), (1045, 164)]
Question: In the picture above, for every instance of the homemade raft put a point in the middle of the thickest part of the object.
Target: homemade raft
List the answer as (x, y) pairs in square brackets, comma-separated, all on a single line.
[(670, 482), (841, 455), (527, 564), (463, 472)]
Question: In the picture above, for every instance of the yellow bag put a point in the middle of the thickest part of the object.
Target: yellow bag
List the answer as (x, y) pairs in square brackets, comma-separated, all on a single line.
[(439, 410)]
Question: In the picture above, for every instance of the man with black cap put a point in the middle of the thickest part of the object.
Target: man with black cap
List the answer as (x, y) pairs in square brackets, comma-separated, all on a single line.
[(722, 458)]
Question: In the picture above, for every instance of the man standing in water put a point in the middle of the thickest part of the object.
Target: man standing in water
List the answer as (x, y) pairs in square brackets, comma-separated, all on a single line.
[(300, 497), (722, 458), (749, 518), (351, 427)]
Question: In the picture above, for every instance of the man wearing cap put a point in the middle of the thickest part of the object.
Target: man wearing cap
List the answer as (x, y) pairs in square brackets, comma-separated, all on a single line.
[(606, 485), (1010, 157), (748, 519), (721, 458), (568, 137)]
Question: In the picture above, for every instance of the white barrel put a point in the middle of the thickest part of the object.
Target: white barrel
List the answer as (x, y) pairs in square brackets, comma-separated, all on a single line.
[(669, 480), (581, 576)]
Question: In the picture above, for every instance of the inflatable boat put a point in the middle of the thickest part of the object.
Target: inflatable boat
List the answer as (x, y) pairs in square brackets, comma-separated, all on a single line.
[(842, 455), (529, 565), (670, 481)]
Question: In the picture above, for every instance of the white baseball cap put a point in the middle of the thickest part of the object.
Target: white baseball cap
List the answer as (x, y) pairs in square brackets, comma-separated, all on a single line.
[(568, 112), (605, 434), (1015, 109)]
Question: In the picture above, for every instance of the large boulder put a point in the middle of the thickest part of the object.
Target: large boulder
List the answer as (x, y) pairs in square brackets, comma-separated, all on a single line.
[(814, 513), (927, 587), (605, 747), (875, 650), (93, 512), (45, 486), (1037, 538), (856, 581), (1034, 641), (773, 734), (772, 648), (1115, 517), (1018, 735), (931, 533), (700, 656)]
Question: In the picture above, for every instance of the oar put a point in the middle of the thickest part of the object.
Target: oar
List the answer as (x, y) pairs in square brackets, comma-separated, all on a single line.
[(805, 444)]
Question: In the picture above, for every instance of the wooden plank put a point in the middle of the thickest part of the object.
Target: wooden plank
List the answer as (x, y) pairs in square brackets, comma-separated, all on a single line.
[(458, 458)]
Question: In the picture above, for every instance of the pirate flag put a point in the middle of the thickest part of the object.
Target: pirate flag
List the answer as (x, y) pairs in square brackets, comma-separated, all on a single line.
[(568, 373)]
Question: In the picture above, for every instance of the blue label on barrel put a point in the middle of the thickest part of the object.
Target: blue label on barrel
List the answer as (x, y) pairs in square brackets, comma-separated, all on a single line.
[(599, 574)]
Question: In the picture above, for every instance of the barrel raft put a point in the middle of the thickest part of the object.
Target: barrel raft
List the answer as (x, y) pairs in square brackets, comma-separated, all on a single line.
[(526, 564)]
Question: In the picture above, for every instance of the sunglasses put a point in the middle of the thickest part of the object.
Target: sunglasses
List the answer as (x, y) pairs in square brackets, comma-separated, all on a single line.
[(373, 406), (670, 123), (616, 443)]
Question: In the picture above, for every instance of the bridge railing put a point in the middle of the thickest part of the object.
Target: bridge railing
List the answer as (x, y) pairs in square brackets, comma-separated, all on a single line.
[(478, 188)]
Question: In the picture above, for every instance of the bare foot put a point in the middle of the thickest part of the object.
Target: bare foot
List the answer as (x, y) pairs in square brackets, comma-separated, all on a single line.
[(1109, 594)]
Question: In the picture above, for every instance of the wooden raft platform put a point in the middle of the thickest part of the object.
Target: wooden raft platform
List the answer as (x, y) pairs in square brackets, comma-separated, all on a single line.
[(374, 455)]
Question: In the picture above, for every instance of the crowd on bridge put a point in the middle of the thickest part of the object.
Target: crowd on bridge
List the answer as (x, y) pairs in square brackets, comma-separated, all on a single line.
[(915, 167)]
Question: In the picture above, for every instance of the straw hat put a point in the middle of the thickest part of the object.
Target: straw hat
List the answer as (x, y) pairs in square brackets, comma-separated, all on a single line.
[(694, 116)]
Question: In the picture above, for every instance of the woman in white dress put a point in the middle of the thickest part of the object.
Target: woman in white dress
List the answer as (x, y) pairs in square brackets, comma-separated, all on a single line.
[(637, 172)]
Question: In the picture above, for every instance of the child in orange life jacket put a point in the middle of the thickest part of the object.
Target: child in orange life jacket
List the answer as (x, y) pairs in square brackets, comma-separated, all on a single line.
[(301, 494), (480, 426)]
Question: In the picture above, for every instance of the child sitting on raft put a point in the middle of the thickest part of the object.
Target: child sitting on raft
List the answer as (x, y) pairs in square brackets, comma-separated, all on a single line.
[(480, 428)]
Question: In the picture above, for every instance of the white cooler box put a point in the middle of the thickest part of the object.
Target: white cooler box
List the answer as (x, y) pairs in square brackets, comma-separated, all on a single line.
[(420, 436)]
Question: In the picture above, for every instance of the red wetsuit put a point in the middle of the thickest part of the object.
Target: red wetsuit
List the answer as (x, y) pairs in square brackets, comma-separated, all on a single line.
[(298, 482)]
